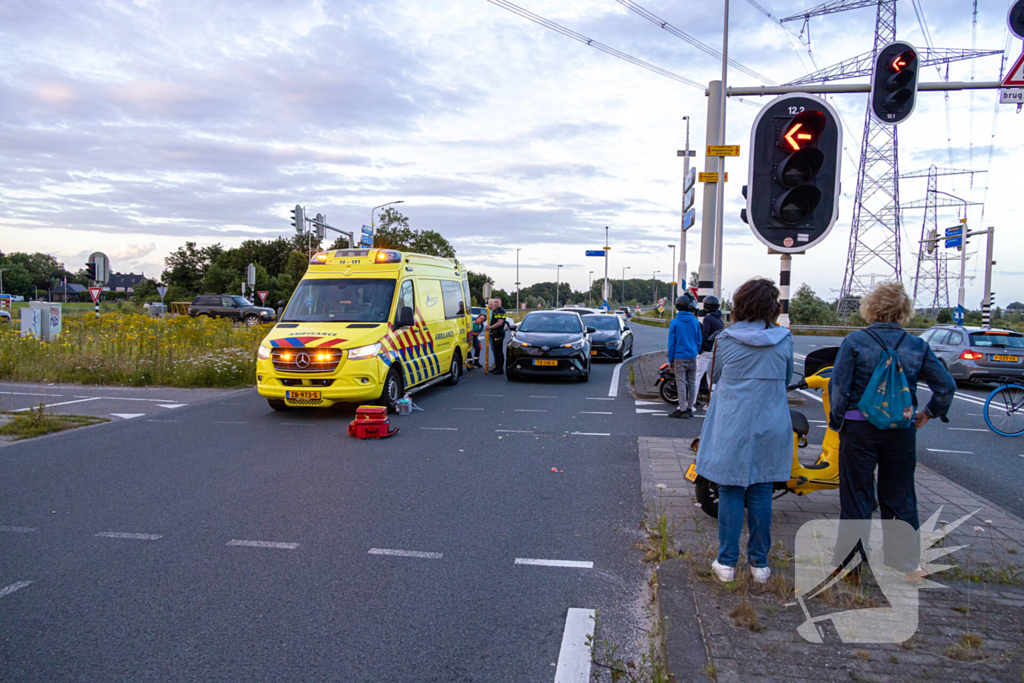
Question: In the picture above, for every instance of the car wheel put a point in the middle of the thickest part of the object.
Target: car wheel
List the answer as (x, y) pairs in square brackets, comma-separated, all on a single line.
[(511, 376), (391, 392), (252, 320), (706, 493), (455, 372), (278, 404)]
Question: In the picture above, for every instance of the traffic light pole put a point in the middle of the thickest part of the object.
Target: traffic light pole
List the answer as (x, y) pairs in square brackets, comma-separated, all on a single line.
[(706, 270), (962, 292), (825, 88), (784, 272), (986, 304), (719, 218)]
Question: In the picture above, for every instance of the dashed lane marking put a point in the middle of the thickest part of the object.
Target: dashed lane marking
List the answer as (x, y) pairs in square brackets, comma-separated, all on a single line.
[(163, 420), (589, 434), (467, 408), (25, 393), (599, 398), (940, 450), (642, 411), (515, 431), (811, 394), (62, 403), (525, 410), (574, 654), (125, 534), (641, 402), (17, 529), (543, 397), (572, 564), (7, 590), (594, 412), (230, 423), (491, 395), (264, 544), (965, 429), (441, 429), (405, 553)]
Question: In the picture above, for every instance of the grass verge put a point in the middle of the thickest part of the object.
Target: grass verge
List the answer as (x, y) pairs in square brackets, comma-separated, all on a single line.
[(37, 422)]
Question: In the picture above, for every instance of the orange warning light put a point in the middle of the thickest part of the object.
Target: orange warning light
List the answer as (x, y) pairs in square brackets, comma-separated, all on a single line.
[(793, 134), (902, 60)]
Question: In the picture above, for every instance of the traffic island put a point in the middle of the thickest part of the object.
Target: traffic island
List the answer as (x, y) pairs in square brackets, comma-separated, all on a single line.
[(970, 628), (36, 422)]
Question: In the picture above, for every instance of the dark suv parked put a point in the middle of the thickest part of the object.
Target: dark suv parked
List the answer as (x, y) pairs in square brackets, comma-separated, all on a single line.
[(231, 306)]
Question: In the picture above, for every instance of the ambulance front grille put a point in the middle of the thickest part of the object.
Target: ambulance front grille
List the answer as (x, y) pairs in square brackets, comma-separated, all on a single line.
[(303, 359)]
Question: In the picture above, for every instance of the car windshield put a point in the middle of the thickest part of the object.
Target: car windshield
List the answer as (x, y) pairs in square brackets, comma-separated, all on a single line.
[(601, 322), (552, 322), (340, 301), (995, 339), (242, 301)]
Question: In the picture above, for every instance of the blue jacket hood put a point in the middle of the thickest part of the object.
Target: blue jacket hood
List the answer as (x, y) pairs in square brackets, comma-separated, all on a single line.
[(755, 334), (685, 315)]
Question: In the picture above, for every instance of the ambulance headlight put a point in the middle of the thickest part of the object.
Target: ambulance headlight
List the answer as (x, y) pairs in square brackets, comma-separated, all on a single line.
[(364, 352), (264, 352)]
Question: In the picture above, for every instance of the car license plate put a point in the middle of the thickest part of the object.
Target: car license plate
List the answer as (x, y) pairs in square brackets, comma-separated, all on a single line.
[(691, 472), (593, 353), (299, 395), (1006, 359), (550, 363)]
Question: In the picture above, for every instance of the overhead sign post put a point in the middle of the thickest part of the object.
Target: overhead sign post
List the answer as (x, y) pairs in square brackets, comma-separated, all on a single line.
[(596, 252)]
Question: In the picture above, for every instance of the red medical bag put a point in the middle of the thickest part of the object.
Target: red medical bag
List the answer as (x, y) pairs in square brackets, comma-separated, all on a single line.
[(371, 423)]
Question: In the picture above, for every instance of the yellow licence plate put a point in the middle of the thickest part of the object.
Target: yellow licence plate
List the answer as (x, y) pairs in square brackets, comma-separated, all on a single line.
[(552, 363), (691, 472), (1006, 359), (299, 395)]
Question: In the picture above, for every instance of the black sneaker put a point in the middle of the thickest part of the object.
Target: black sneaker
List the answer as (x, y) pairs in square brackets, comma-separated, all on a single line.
[(677, 413), (687, 414), (497, 371)]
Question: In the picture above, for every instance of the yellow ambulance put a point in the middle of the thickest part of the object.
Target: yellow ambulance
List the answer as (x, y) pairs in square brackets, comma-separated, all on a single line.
[(367, 325)]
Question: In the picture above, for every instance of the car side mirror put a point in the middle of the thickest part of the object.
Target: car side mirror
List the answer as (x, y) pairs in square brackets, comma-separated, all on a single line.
[(625, 327), (591, 330), (405, 318), (282, 303)]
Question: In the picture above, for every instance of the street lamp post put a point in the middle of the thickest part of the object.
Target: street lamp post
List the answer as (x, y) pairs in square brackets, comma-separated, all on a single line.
[(590, 290), (624, 269), (558, 280), (372, 224), (673, 290), (653, 285), (517, 278)]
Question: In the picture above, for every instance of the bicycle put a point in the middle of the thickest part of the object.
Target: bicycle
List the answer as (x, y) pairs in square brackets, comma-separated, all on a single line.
[(1005, 407)]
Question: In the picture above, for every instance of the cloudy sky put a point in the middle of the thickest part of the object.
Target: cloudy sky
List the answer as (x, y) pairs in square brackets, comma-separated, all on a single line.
[(130, 127)]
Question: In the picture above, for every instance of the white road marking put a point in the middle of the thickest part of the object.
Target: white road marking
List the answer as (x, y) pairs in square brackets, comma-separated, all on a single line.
[(173, 405), (799, 355), (127, 416), (543, 397), (230, 423), (640, 402), (17, 529), (523, 410), (613, 388), (641, 411), (405, 553), (124, 534), (467, 408), (573, 564), (589, 434), (127, 398), (23, 393), (13, 587), (594, 412), (939, 450), (264, 544), (574, 655), (965, 429), (602, 398), (441, 429), (515, 431), (163, 420), (811, 394), (62, 403), (491, 395)]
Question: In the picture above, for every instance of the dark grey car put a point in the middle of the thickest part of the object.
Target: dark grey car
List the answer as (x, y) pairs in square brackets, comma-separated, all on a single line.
[(231, 306), (976, 353)]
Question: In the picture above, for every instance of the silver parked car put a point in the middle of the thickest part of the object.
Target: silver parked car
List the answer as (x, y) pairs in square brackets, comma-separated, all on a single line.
[(976, 353)]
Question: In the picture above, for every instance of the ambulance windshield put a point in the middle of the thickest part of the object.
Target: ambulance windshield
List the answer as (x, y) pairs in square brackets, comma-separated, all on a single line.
[(340, 300)]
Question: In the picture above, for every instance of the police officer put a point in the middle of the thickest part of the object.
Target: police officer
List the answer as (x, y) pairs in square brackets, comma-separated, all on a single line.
[(499, 319)]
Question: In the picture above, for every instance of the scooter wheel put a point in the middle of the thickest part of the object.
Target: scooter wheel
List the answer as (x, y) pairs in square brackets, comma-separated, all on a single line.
[(706, 493), (668, 392)]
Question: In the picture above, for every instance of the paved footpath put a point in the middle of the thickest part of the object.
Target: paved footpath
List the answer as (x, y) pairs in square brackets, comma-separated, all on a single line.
[(970, 630)]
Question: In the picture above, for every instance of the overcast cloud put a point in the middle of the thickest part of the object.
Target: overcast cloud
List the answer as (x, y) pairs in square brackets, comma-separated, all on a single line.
[(130, 127)]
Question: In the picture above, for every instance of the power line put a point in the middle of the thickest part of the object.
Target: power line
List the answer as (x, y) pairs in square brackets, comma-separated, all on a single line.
[(706, 49)]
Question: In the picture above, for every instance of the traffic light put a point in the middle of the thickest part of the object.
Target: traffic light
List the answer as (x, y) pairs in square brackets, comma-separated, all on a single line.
[(298, 219), (90, 271), (792, 189), (1015, 19), (932, 246), (894, 83)]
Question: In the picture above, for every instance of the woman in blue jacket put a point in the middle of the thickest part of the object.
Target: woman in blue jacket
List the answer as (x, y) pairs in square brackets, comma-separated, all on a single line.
[(746, 443)]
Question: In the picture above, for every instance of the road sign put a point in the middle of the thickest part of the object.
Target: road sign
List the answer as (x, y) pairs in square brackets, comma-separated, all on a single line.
[(723, 150), (711, 177), (693, 290), (94, 292), (689, 180), (1011, 96), (366, 241), (682, 153), (262, 296), (689, 219), (958, 315), (688, 199), (161, 291), (1015, 19), (1015, 76), (661, 302), (367, 230), (522, 307), (954, 242), (595, 252), (538, 306), (661, 309), (954, 231), (638, 308)]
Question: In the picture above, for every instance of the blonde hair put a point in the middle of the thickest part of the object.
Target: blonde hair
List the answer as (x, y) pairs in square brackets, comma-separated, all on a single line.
[(887, 303)]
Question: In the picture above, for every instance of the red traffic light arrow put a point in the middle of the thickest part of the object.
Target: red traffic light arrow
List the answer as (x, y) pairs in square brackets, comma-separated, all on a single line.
[(793, 133)]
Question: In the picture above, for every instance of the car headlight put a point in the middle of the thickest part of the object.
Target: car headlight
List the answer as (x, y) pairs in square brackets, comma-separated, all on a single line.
[(265, 313), (575, 345), (364, 352), (264, 352), (515, 343), (613, 344)]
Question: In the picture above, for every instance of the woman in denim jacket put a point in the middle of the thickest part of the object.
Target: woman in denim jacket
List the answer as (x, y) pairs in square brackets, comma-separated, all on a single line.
[(863, 447), (746, 442)]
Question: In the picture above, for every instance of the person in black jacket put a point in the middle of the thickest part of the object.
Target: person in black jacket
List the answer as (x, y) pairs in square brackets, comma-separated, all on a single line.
[(711, 325)]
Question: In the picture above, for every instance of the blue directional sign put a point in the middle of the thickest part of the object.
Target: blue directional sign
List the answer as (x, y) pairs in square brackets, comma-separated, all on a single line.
[(952, 232), (958, 315), (367, 230), (954, 242), (367, 241), (595, 252), (689, 218)]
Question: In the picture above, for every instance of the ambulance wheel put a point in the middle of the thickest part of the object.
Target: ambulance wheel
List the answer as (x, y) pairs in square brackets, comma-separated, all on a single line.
[(455, 372), (277, 404), (392, 391)]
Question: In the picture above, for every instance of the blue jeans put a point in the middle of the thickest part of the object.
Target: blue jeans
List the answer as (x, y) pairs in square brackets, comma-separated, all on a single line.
[(757, 498)]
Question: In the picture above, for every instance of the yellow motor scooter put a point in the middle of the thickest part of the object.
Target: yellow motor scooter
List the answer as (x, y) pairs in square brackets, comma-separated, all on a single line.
[(804, 479)]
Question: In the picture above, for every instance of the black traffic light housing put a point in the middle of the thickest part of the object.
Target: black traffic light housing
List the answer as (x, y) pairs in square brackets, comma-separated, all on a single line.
[(90, 271), (792, 189), (894, 83), (1015, 19), (299, 219)]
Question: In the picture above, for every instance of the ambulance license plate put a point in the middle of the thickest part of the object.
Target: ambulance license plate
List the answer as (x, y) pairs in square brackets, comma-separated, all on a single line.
[(691, 472), (299, 395), (549, 363), (1006, 359)]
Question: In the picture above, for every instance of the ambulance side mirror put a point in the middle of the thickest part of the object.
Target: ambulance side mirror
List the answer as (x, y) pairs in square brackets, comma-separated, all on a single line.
[(405, 318)]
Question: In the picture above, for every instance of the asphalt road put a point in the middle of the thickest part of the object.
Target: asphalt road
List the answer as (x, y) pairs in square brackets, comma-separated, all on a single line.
[(220, 540)]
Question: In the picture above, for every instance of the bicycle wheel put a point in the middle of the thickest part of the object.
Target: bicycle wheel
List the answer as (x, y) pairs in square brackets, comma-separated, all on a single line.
[(1004, 410)]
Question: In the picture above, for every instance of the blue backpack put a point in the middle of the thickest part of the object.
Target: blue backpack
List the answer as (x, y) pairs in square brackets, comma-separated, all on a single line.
[(887, 403)]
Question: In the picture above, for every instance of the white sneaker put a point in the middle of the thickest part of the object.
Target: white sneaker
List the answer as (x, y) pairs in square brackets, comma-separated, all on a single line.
[(724, 574), (761, 574)]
